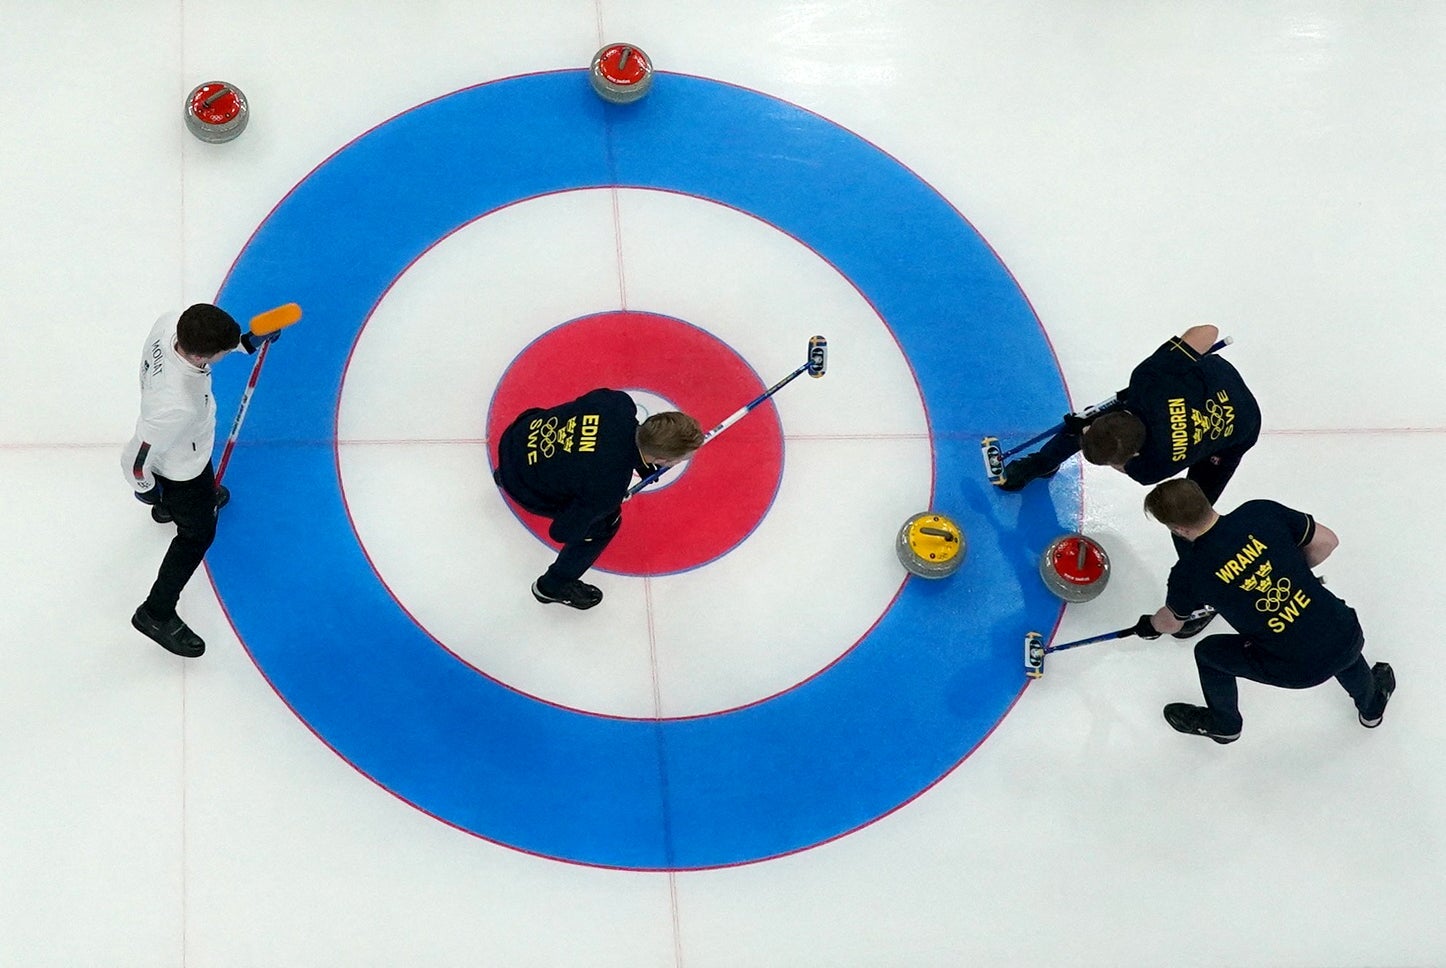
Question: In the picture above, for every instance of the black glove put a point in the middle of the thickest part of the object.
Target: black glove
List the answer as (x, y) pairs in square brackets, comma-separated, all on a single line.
[(1074, 423), (151, 497), (605, 526), (1145, 629), (250, 342)]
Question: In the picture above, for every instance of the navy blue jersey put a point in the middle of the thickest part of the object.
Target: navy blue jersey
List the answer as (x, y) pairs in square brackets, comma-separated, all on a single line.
[(1192, 406), (1250, 567), (574, 461)]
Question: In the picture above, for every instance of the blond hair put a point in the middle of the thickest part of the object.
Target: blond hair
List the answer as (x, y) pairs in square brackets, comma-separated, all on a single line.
[(671, 435)]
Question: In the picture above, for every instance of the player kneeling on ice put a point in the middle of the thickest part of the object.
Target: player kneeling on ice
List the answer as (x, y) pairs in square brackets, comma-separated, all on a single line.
[(1254, 566), (168, 461), (573, 463)]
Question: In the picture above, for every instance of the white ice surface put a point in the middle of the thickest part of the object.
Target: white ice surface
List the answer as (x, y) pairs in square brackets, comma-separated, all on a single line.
[(1277, 168)]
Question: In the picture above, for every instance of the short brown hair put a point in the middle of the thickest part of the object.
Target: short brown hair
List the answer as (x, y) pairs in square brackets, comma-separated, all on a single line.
[(1113, 438), (1178, 504), (205, 330), (671, 435)]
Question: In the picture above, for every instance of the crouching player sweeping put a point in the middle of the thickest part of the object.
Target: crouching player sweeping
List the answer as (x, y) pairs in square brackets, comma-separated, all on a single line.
[(1186, 409), (1253, 566), (573, 463), (168, 461)]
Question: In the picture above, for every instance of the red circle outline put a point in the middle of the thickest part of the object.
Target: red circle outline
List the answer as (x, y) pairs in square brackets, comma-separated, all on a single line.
[(726, 488)]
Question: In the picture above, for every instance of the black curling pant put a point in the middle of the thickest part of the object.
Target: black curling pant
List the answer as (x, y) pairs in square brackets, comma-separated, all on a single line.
[(193, 507), (575, 557), (1212, 474), (1222, 659), (1058, 449), (1066, 443)]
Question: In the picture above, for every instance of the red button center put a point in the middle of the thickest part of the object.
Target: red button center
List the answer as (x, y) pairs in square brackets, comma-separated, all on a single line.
[(729, 483)]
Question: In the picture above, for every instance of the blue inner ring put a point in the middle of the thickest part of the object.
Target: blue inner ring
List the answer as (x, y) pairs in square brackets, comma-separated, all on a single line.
[(893, 716)]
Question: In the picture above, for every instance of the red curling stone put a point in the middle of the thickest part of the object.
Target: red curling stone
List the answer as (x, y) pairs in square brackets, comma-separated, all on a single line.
[(621, 73), (216, 112), (1075, 568)]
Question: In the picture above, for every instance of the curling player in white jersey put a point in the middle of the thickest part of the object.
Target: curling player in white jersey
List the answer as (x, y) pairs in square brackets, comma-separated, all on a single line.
[(168, 461)]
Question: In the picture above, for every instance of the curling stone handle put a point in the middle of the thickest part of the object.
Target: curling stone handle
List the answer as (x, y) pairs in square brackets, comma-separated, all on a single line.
[(938, 533), (213, 98)]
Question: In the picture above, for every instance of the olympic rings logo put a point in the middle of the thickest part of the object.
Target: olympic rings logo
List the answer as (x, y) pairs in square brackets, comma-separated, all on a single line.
[(1274, 596)]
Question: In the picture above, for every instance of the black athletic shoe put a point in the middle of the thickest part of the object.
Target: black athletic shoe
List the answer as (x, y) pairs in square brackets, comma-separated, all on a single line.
[(1385, 685), (1197, 721), (223, 495), (161, 514), (1192, 627), (171, 634), (1018, 473), (578, 594)]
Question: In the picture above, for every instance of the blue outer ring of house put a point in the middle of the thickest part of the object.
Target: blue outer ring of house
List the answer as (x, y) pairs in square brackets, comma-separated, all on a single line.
[(900, 710)]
